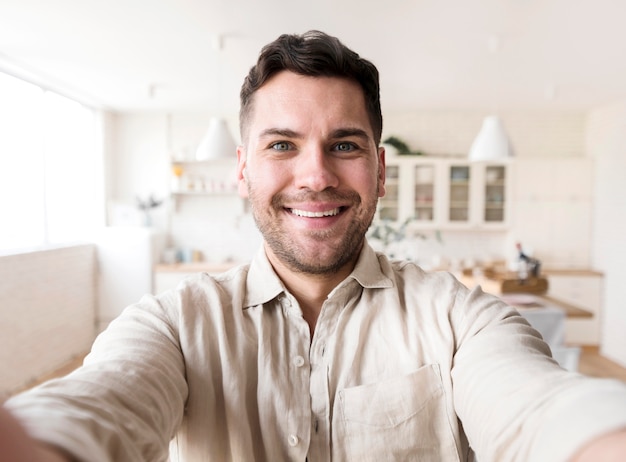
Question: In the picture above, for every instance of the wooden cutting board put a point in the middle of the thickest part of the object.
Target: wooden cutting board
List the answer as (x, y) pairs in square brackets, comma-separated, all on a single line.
[(530, 286)]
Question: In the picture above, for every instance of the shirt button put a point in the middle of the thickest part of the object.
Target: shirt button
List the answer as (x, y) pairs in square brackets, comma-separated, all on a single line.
[(293, 440), (298, 361)]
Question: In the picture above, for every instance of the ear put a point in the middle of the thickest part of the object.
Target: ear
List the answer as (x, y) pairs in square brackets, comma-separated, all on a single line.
[(242, 179), (381, 172)]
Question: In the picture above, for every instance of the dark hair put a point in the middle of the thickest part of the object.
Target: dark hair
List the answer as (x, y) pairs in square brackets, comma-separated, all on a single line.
[(316, 54)]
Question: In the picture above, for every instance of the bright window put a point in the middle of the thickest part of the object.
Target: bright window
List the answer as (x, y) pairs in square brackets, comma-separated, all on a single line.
[(49, 167)]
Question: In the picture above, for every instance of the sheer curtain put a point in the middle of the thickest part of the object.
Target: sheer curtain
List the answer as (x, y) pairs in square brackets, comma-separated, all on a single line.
[(50, 167)]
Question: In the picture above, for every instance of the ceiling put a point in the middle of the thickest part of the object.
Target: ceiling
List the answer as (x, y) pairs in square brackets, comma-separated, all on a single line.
[(192, 55)]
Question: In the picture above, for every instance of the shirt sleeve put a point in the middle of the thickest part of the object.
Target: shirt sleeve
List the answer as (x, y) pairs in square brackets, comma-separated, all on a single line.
[(514, 401), (126, 402)]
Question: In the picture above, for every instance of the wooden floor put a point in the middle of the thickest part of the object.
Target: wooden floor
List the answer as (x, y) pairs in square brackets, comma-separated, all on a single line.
[(591, 363)]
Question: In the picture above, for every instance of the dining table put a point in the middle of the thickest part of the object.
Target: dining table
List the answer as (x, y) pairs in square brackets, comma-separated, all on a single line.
[(546, 313)]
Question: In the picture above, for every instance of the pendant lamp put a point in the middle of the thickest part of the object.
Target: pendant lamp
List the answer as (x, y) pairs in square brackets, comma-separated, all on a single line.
[(492, 142), (218, 143)]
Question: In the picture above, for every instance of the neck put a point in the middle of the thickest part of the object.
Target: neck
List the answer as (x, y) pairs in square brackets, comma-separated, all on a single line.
[(310, 290)]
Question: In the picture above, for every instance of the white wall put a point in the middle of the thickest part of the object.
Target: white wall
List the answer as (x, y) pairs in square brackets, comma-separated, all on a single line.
[(47, 307), (536, 134), (606, 142)]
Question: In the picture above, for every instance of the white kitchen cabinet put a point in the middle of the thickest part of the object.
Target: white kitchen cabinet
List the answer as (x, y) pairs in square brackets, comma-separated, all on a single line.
[(445, 193), (582, 289), (126, 258), (477, 195), (553, 209), (411, 191), (558, 179)]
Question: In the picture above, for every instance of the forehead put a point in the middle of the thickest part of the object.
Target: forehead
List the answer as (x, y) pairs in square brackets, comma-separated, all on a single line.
[(288, 98)]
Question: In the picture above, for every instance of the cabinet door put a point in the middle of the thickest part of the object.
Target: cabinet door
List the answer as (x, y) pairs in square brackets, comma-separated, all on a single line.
[(554, 209), (389, 204), (477, 195), (425, 193), (585, 292), (410, 185), (495, 194), (459, 193)]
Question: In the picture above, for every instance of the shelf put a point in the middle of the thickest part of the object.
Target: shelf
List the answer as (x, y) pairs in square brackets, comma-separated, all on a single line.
[(224, 160), (204, 193)]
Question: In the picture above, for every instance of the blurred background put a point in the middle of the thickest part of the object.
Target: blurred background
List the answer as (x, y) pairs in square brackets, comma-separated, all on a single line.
[(504, 122)]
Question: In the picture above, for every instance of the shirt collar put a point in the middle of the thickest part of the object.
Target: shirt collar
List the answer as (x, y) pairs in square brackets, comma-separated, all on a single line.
[(263, 284), (369, 269)]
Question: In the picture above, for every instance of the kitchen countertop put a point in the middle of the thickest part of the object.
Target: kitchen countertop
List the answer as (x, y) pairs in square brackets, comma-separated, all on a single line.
[(570, 272), (571, 311), (493, 287)]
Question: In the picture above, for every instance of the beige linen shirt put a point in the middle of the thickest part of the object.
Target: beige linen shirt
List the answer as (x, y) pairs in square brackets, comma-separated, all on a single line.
[(404, 365)]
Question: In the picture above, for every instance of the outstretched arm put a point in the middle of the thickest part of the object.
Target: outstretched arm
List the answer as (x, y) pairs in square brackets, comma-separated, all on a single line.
[(127, 400)]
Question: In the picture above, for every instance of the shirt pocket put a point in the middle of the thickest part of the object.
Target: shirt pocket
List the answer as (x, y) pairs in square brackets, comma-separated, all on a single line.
[(401, 419)]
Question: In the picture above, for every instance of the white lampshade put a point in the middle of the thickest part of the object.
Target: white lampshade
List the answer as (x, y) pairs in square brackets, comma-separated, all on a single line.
[(217, 143), (492, 142)]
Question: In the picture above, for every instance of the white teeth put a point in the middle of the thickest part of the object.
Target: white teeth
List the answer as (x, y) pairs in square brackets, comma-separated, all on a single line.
[(307, 214)]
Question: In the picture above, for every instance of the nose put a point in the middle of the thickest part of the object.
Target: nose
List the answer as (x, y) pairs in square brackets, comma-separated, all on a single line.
[(315, 169)]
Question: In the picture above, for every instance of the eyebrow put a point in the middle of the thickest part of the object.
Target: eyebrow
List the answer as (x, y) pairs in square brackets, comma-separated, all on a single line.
[(347, 132), (287, 133), (339, 133)]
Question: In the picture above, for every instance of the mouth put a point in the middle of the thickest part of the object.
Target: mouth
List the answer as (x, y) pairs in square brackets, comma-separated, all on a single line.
[(317, 214)]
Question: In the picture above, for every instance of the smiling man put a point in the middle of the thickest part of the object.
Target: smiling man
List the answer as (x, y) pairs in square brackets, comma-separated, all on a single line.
[(319, 349), (313, 172)]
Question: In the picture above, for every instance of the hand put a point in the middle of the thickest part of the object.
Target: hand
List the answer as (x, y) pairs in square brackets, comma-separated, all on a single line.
[(607, 448), (17, 446)]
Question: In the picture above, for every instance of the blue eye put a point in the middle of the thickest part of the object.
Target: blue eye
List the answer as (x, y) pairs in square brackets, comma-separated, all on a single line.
[(344, 147), (281, 146)]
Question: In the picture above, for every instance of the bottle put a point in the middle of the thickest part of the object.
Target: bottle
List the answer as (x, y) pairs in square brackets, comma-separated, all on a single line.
[(531, 265), (523, 261)]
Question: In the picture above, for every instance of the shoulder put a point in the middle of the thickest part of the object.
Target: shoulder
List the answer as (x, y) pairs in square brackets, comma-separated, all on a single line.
[(207, 288), (408, 276)]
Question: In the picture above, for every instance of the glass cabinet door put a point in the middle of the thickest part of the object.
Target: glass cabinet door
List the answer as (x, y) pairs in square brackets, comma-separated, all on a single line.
[(388, 205), (495, 199), (424, 184), (459, 206)]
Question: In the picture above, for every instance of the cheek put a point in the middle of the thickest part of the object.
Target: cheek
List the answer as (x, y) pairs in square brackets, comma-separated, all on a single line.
[(260, 186), (372, 182)]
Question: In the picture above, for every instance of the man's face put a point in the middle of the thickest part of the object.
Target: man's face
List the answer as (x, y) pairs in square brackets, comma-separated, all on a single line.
[(311, 170)]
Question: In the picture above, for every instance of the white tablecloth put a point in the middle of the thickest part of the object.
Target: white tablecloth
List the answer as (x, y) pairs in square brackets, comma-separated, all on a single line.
[(549, 321)]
